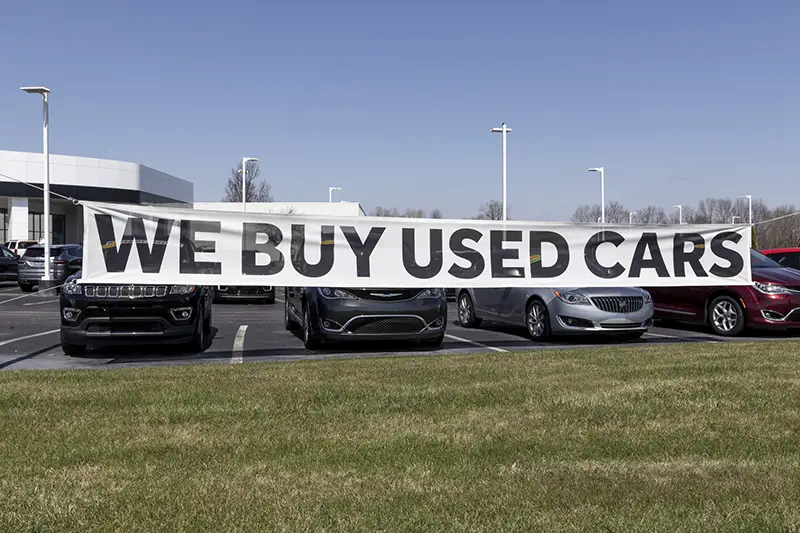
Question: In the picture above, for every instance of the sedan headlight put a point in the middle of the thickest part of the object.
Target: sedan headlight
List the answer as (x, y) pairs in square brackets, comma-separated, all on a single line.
[(648, 298), (571, 297), (71, 288), (182, 289), (335, 294), (771, 288), (430, 293)]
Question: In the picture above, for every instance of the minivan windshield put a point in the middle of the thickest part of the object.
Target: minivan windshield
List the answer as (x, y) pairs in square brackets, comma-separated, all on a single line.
[(759, 260)]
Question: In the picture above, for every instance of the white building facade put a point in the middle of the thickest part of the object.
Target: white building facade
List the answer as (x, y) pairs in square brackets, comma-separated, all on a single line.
[(81, 178)]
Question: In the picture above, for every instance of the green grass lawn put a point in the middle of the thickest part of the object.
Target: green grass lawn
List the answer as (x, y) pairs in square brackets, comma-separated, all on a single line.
[(690, 437)]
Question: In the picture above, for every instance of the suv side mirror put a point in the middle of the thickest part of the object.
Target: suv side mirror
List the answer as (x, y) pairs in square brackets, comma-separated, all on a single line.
[(76, 264)]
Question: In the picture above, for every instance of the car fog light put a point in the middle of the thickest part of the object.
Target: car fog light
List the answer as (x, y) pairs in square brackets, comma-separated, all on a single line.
[(438, 322), (181, 313), (326, 324), (71, 313)]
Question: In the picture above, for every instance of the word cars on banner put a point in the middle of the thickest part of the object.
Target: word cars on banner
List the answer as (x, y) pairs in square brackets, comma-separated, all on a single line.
[(141, 244)]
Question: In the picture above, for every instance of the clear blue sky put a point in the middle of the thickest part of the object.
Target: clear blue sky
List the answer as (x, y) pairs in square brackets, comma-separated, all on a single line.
[(393, 103)]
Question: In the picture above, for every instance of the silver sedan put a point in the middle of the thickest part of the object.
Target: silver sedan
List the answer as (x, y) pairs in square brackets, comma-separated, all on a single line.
[(625, 312)]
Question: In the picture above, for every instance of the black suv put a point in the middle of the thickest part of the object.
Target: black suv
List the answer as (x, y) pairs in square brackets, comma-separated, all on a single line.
[(332, 314), (111, 314)]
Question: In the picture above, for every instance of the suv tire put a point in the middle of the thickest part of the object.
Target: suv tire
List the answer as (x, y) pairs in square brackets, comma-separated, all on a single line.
[(26, 287), (73, 349)]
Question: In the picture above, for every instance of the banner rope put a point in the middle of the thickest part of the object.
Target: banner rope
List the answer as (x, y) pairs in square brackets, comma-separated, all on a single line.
[(777, 218), (71, 199), (30, 295)]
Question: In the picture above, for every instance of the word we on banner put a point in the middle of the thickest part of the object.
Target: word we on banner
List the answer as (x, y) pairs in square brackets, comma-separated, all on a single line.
[(144, 244)]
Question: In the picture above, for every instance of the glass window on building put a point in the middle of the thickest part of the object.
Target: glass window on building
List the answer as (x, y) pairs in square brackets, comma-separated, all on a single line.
[(58, 227)]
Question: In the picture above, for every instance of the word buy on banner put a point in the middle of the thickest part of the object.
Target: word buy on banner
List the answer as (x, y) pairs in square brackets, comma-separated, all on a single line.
[(146, 244)]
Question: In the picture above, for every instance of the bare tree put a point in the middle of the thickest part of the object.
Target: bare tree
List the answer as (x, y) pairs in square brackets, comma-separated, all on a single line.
[(616, 213), (492, 210), (257, 190), (408, 213), (652, 214), (587, 214)]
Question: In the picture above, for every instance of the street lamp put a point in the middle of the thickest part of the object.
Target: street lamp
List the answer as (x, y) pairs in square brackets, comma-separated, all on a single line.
[(680, 213), (44, 91), (749, 207), (504, 130), (244, 180), (330, 193), (630, 217), (602, 171)]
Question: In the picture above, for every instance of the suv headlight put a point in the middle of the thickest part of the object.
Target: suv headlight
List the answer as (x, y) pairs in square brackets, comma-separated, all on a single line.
[(182, 289), (571, 297), (771, 288), (335, 294), (648, 298), (430, 293), (71, 288)]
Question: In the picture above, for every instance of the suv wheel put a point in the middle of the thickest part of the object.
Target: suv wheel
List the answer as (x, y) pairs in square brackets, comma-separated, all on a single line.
[(537, 321), (208, 321), (309, 340), (270, 300), (726, 316), (288, 322), (466, 312), (26, 287), (198, 342), (73, 349)]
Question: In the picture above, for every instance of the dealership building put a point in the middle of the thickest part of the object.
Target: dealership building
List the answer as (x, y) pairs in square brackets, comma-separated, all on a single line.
[(81, 178)]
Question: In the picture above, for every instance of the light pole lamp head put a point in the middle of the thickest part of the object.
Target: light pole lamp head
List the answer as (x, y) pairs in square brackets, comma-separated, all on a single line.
[(501, 129), (595, 169), (35, 90)]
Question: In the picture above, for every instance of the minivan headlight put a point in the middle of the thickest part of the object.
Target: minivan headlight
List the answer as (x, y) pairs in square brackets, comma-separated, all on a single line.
[(648, 298), (181, 289), (335, 294), (430, 293), (572, 298), (771, 288)]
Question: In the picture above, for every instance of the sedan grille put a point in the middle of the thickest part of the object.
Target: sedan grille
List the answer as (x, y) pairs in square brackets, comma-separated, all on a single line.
[(385, 325), (618, 304), (125, 291)]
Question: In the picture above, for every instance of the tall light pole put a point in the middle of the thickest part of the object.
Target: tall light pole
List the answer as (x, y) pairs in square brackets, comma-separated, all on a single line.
[(630, 217), (330, 193), (680, 213), (749, 207), (44, 91), (244, 180), (602, 172), (504, 130)]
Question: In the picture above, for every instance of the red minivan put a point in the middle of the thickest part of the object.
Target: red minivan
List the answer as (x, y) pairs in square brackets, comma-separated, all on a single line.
[(786, 257), (771, 302)]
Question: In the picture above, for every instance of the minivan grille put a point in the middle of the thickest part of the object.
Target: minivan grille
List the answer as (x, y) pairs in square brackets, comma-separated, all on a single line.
[(385, 295), (385, 325), (125, 291), (618, 304)]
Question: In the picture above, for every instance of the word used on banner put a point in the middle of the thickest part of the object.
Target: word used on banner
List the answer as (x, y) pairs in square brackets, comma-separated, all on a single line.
[(144, 244)]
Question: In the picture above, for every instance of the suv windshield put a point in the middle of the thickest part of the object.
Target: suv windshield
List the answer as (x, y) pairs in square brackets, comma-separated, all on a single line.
[(38, 251), (759, 260)]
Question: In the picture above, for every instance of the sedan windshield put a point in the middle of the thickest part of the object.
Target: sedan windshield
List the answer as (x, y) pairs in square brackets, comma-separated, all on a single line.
[(759, 260)]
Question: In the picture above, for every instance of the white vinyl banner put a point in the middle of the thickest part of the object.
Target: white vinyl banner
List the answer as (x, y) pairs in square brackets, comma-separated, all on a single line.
[(144, 244)]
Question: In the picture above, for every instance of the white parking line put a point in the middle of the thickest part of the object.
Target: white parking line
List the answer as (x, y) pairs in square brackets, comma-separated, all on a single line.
[(26, 337), (661, 335), (467, 341), (279, 300), (238, 345), (41, 303), (711, 340)]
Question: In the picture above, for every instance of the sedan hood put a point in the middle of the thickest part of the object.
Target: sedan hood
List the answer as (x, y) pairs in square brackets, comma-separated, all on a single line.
[(604, 291)]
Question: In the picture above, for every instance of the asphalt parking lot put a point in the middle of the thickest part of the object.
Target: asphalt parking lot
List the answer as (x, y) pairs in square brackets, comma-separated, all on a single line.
[(29, 339)]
